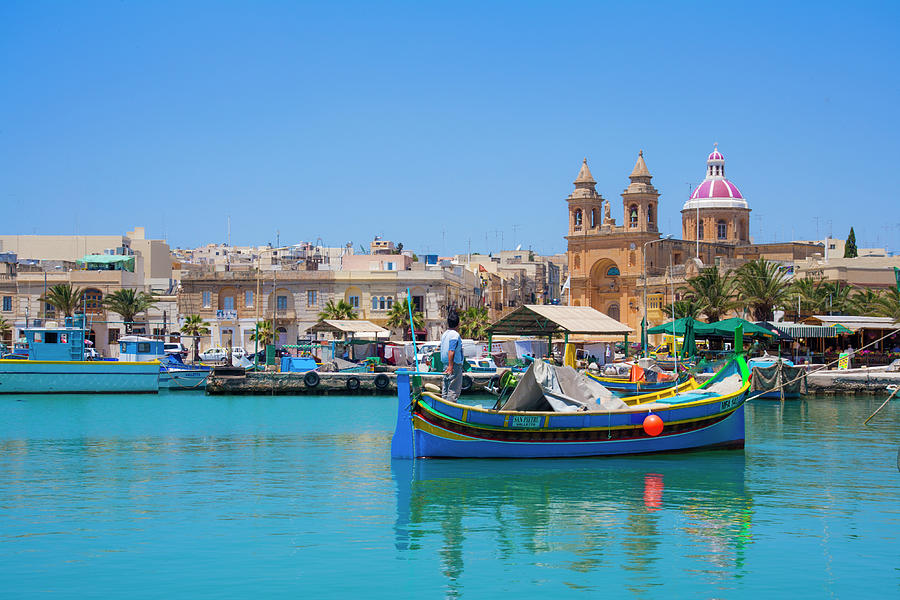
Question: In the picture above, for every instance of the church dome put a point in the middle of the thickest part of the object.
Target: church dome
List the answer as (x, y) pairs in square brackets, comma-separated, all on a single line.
[(716, 191)]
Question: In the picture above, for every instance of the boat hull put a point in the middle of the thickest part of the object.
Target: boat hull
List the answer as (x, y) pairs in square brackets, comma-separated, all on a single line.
[(183, 379), (78, 377), (436, 442)]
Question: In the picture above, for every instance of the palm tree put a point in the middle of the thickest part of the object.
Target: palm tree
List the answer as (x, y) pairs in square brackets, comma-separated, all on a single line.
[(473, 322), (342, 311), (194, 326), (864, 302), (889, 305), (686, 307), (266, 333), (809, 292), (398, 318), (128, 303), (763, 286), (713, 291), (64, 297)]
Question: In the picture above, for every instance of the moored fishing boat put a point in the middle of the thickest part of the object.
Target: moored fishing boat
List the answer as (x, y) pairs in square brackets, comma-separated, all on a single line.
[(555, 412), (56, 364)]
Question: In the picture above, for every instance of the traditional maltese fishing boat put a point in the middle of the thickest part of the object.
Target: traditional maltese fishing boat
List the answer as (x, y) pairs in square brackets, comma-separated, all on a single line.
[(558, 412)]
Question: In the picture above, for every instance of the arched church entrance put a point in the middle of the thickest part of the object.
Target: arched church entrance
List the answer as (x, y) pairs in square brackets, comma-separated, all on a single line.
[(605, 287)]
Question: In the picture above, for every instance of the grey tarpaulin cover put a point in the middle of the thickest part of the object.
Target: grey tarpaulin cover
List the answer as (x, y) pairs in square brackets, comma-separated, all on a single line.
[(766, 379), (544, 387)]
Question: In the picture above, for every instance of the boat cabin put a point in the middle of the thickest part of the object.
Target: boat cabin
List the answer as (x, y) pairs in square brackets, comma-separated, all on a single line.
[(135, 348), (57, 343)]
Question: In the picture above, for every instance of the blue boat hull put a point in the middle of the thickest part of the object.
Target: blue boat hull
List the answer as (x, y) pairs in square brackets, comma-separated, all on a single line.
[(727, 433), (78, 377)]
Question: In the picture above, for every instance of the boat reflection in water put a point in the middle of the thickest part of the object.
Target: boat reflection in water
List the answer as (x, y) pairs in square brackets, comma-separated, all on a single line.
[(600, 518)]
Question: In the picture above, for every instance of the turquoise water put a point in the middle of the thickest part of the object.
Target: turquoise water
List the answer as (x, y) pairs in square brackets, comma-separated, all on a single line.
[(187, 496)]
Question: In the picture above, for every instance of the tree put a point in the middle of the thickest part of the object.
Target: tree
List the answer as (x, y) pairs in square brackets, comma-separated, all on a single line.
[(266, 333), (194, 326), (850, 250), (342, 311), (64, 297), (763, 286), (863, 302), (686, 307), (712, 291), (888, 304), (128, 303), (473, 323), (398, 318)]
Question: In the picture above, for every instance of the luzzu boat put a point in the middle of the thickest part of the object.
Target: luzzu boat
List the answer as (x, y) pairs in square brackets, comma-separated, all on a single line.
[(56, 364), (560, 413)]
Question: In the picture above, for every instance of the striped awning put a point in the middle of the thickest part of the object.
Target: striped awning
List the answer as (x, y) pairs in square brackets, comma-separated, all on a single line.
[(811, 331)]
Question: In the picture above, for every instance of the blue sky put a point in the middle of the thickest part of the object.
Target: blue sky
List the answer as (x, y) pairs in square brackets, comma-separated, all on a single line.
[(439, 123)]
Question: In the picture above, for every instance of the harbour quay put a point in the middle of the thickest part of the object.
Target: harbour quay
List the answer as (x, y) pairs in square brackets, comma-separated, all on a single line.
[(342, 384)]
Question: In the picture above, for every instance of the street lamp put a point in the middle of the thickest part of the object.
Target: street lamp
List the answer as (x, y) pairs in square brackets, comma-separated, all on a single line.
[(644, 257)]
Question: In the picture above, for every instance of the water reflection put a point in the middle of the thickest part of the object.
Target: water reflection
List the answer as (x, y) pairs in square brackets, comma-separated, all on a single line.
[(628, 513)]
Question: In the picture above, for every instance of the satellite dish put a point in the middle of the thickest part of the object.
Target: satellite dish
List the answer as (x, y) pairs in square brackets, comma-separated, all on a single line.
[(519, 247)]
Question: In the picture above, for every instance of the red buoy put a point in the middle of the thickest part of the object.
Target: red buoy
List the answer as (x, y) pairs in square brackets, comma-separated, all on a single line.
[(653, 425)]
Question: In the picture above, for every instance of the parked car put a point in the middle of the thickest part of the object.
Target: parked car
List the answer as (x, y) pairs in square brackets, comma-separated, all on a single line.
[(175, 348), (215, 354)]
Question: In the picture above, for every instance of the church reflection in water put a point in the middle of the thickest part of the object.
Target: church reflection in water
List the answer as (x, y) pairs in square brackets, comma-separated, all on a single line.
[(631, 512)]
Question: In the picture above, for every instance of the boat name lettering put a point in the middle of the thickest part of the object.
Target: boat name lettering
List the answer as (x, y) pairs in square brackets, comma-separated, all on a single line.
[(526, 421), (731, 403)]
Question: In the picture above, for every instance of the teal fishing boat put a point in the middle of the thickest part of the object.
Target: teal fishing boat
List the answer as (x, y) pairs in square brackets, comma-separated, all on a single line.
[(56, 364)]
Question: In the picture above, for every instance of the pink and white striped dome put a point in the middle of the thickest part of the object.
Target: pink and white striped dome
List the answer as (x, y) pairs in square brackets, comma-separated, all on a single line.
[(716, 188)]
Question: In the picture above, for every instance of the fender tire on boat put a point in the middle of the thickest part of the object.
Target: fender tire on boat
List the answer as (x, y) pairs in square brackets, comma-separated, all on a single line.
[(311, 379), (382, 381), (466, 383), (353, 384)]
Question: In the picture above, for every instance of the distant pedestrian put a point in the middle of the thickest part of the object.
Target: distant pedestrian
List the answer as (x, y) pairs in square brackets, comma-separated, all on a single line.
[(452, 357)]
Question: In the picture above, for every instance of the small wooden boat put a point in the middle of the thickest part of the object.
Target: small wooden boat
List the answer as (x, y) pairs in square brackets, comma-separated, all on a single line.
[(556, 412), (774, 378)]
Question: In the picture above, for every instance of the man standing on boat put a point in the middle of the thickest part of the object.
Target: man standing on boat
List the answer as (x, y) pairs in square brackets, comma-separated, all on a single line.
[(452, 358)]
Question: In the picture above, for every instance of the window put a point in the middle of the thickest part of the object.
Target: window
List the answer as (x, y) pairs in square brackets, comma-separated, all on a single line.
[(311, 297), (248, 299), (7, 303), (721, 230), (207, 299), (353, 301), (93, 301), (113, 336), (578, 218), (228, 303), (633, 216), (374, 303), (281, 302)]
